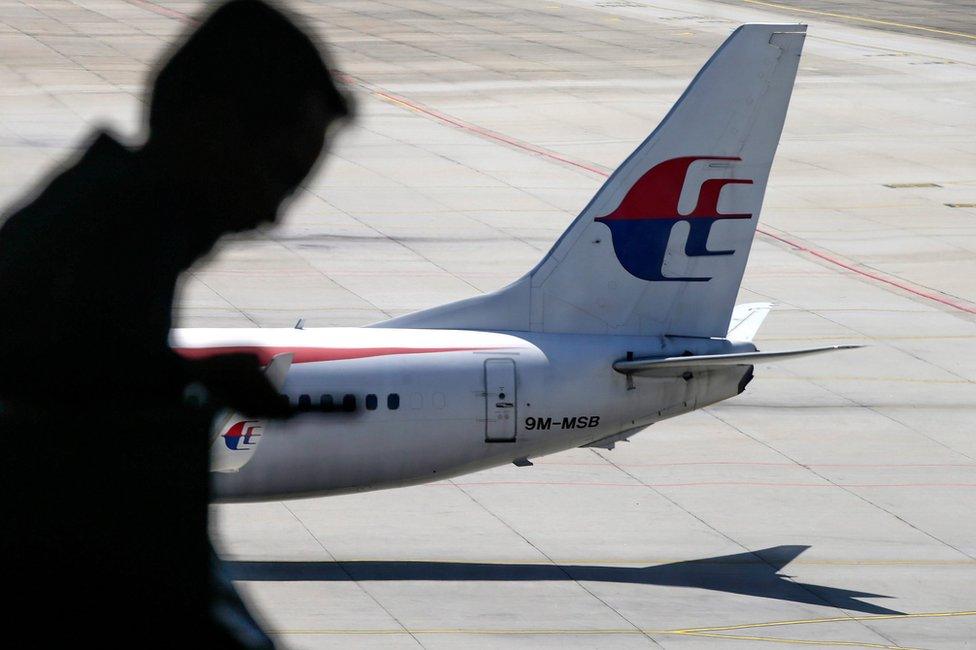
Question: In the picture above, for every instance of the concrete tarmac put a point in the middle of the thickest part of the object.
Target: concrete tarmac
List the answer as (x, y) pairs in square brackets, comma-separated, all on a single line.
[(832, 504)]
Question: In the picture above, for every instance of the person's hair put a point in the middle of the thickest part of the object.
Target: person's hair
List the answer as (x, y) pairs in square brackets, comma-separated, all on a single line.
[(251, 57)]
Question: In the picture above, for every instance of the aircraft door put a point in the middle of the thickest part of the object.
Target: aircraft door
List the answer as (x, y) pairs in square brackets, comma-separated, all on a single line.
[(500, 404)]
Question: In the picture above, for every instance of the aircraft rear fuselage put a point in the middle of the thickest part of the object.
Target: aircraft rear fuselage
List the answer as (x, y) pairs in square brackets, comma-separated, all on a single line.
[(431, 404)]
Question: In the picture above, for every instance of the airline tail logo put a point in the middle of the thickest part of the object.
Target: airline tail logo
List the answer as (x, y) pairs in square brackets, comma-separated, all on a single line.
[(641, 225), (241, 435)]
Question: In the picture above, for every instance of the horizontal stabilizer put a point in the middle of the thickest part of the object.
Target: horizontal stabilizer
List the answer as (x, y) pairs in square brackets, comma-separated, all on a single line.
[(668, 365), (746, 320)]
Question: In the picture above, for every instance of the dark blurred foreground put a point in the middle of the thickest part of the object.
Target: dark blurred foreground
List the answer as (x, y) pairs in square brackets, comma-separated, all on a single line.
[(105, 461), (104, 524)]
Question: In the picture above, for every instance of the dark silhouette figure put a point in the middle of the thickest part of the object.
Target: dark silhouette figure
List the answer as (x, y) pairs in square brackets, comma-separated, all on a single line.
[(104, 462), (753, 574)]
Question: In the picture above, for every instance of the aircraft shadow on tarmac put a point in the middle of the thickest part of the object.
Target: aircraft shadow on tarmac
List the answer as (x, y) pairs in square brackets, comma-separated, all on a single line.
[(754, 573)]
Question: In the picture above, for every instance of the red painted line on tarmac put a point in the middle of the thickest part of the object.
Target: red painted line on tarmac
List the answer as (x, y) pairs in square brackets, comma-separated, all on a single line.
[(474, 128), (547, 153), (458, 123), (874, 276)]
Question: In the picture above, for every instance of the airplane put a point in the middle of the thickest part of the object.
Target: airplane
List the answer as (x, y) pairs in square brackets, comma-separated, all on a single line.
[(628, 320)]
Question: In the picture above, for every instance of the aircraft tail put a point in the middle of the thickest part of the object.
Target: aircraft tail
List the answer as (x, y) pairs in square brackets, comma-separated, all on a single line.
[(661, 248)]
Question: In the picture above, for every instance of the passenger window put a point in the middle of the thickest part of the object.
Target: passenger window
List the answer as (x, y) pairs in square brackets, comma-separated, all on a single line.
[(348, 403), (326, 403), (393, 401), (371, 402), (416, 401), (438, 400), (304, 403)]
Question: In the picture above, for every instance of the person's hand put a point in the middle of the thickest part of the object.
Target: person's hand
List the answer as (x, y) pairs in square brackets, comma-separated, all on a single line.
[(237, 381)]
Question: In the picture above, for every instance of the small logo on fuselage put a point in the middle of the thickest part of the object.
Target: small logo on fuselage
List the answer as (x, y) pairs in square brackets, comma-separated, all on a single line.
[(241, 435), (641, 225)]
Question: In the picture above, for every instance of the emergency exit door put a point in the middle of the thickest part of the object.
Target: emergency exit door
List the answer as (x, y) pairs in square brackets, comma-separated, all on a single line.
[(500, 419)]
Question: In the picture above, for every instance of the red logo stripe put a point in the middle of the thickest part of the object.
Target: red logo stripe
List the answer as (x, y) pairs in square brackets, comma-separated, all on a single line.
[(655, 195), (308, 354)]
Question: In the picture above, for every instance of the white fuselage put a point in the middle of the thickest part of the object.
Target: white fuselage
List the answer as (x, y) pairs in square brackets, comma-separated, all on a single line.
[(431, 404)]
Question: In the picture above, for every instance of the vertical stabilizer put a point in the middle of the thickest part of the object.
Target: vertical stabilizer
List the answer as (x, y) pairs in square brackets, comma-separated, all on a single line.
[(661, 248)]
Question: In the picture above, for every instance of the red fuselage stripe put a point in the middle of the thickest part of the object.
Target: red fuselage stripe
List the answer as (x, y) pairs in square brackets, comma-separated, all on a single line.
[(309, 354)]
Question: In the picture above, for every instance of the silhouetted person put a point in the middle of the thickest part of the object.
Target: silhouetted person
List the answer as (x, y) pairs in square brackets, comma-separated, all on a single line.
[(105, 465)]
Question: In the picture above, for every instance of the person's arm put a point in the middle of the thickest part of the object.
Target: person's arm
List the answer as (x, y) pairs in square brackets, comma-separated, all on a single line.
[(237, 381)]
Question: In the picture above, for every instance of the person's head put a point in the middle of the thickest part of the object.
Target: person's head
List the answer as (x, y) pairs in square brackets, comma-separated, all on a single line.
[(242, 106)]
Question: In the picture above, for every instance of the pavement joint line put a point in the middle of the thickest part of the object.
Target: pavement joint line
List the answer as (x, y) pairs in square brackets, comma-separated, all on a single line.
[(56, 97), (136, 29), (199, 278), (352, 578), (878, 411), (637, 629), (163, 11), (816, 596), (852, 492), (465, 214), (384, 236), (863, 19), (888, 416), (853, 489), (330, 278), (333, 277), (892, 346)]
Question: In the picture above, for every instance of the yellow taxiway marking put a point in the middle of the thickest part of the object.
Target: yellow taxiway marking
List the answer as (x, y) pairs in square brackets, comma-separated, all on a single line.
[(862, 19), (817, 642), (832, 619), (718, 632)]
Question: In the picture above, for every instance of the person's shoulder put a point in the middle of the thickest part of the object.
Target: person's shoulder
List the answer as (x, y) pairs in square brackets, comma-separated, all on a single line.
[(103, 161), (100, 160), (66, 212)]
